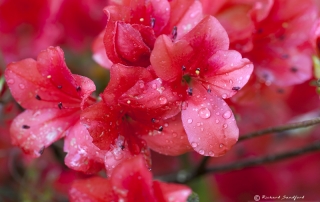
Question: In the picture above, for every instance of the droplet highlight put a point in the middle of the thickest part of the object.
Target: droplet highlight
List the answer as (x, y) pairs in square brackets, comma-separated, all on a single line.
[(227, 114), (204, 113)]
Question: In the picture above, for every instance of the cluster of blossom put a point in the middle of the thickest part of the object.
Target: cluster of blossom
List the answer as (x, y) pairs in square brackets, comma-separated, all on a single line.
[(173, 67)]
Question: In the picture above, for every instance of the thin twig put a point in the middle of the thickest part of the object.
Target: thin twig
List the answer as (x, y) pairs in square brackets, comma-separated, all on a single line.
[(282, 128), (253, 162)]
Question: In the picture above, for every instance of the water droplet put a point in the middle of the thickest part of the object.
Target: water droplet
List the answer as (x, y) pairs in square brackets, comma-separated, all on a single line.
[(163, 100), (217, 121), (201, 152), (225, 125), (230, 81), (211, 153), (204, 113), (174, 134), (22, 86), (227, 115), (217, 113), (193, 144), (224, 96), (166, 124), (10, 81), (202, 129), (154, 86), (190, 120), (221, 145)]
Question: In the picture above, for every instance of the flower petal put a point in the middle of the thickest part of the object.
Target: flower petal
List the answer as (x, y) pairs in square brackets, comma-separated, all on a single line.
[(171, 192), (34, 130), (185, 14), (99, 52), (154, 99), (295, 69), (132, 180), (120, 154), (122, 78), (206, 38), (167, 58), (47, 82), (85, 88), (130, 46), (209, 123), (82, 155), (100, 121), (94, 189), (161, 14), (51, 65), (227, 73), (172, 140)]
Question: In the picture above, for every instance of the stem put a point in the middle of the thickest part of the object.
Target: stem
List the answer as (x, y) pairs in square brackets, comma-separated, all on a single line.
[(282, 128), (254, 161), (200, 170)]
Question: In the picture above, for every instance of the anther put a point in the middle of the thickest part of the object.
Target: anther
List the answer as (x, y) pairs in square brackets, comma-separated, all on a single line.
[(60, 105), (236, 88), (153, 22), (197, 71), (174, 32), (160, 128), (25, 126), (41, 150), (38, 97)]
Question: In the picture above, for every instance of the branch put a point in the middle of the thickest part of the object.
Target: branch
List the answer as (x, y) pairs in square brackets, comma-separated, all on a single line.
[(249, 162), (290, 126)]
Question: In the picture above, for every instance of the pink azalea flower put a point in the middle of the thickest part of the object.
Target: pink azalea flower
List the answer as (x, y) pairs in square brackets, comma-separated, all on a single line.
[(199, 70), (53, 98), (131, 181), (133, 26)]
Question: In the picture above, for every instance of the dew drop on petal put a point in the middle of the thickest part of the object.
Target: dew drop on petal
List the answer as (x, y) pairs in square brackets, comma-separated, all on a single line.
[(163, 100), (227, 115), (211, 153), (154, 86), (221, 145), (22, 87), (217, 113), (201, 152), (224, 96), (174, 134), (217, 121), (190, 120), (204, 113), (225, 125), (193, 144), (10, 81)]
